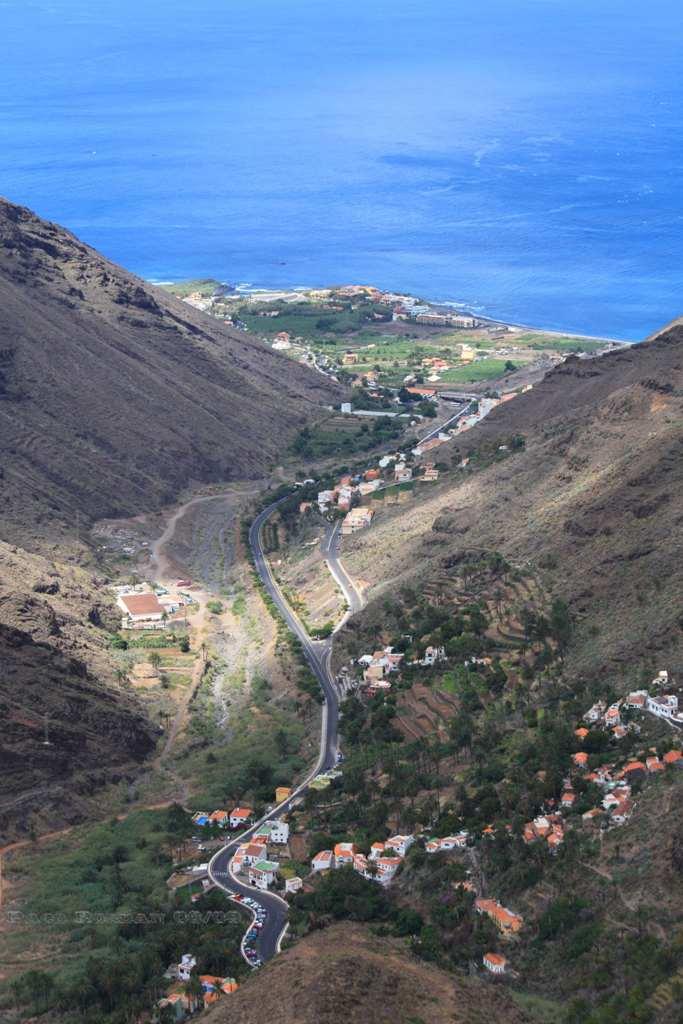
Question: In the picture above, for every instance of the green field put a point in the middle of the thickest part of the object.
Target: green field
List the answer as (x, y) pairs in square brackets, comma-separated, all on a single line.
[(485, 369), (563, 344)]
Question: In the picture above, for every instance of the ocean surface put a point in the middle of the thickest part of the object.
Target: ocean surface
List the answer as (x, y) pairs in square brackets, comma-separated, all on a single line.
[(522, 157)]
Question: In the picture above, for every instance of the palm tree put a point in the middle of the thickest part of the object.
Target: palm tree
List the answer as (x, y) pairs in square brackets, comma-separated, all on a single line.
[(194, 991)]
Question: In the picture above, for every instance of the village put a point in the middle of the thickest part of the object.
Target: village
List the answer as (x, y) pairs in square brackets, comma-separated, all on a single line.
[(359, 333)]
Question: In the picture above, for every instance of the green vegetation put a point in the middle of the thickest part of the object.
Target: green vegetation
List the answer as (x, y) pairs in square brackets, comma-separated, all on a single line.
[(215, 607), (105, 907), (309, 321), (344, 435), (206, 286), (484, 369)]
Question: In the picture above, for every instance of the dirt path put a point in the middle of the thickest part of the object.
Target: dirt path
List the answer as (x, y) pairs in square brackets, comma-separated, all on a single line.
[(163, 563)]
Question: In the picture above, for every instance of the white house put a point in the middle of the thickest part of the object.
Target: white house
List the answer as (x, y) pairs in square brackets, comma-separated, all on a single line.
[(251, 853), (279, 831), (399, 844), (432, 655), (595, 713), (294, 884), (344, 854), (140, 609), (325, 498), (186, 966), (387, 868), (494, 962), (263, 873), (323, 861), (240, 816), (402, 474), (459, 840), (665, 706)]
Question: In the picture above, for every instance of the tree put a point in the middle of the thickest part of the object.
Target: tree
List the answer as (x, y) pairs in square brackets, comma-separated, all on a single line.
[(155, 660), (194, 991), (428, 409)]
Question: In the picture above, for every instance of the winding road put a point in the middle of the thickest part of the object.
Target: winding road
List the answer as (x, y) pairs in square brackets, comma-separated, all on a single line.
[(318, 654)]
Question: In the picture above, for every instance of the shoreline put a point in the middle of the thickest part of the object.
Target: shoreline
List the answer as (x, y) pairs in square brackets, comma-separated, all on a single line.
[(249, 291)]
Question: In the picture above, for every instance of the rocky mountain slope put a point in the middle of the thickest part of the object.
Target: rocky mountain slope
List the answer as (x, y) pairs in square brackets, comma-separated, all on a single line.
[(345, 973), (593, 502), (57, 676), (114, 395)]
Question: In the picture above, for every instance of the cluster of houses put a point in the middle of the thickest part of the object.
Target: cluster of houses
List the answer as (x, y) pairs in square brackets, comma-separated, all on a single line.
[(179, 1004), (380, 865), (657, 704), (252, 858), (377, 667), (456, 842), (614, 779), (348, 494), (238, 817)]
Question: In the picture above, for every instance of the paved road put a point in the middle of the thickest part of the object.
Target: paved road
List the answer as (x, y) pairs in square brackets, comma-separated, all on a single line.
[(318, 654), (452, 419), (330, 549)]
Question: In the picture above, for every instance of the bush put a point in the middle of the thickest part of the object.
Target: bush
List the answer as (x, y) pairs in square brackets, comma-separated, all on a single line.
[(215, 607)]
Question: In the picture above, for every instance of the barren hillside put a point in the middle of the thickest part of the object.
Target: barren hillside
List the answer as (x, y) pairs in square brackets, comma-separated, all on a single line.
[(344, 973), (593, 502), (56, 671), (114, 395)]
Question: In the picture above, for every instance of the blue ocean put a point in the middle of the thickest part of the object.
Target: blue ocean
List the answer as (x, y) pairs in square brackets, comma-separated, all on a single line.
[(521, 157)]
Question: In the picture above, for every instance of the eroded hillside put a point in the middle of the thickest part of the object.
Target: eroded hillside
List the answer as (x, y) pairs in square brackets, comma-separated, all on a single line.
[(114, 395), (592, 503)]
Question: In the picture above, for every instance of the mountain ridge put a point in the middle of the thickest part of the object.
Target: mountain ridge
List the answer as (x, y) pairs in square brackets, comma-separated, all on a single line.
[(115, 396)]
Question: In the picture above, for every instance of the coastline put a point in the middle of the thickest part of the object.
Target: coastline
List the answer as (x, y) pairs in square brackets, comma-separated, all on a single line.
[(249, 291)]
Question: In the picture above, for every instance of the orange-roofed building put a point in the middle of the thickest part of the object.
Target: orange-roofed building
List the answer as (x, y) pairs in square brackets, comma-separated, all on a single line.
[(504, 919), (580, 759), (673, 757), (371, 474), (239, 816), (634, 768), (494, 962), (555, 839), (528, 834), (229, 985), (654, 764), (344, 853), (220, 818), (211, 980), (282, 793), (581, 732)]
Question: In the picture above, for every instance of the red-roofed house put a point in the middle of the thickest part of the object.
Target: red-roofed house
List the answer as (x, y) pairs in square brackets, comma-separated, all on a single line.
[(504, 919), (494, 962), (344, 854), (240, 816), (323, 861)]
